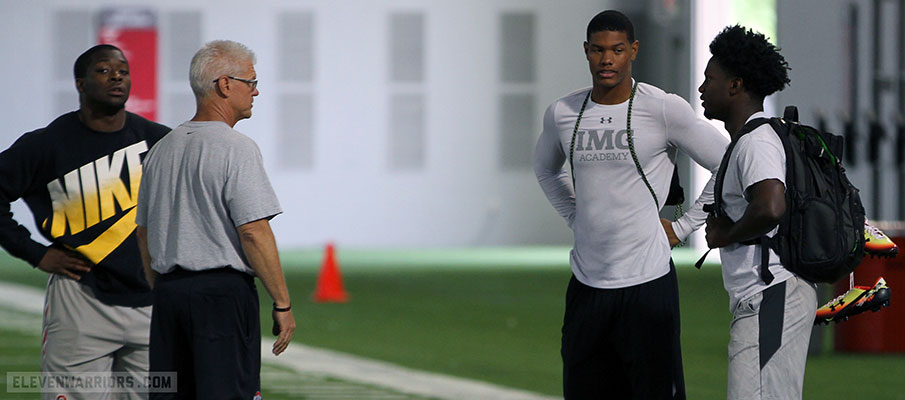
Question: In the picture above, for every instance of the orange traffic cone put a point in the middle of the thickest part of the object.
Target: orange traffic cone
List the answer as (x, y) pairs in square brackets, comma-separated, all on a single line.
[(330, 283)]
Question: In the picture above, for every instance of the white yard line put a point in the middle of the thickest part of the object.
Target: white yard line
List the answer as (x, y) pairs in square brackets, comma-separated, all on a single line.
[(344, 366), (314, 361), (22, 298)]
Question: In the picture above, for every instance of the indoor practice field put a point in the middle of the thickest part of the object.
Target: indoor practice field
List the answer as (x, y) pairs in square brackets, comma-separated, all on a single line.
[(484, 314)]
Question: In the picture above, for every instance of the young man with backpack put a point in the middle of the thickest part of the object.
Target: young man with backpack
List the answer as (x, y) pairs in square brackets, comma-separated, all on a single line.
[(773, 309)]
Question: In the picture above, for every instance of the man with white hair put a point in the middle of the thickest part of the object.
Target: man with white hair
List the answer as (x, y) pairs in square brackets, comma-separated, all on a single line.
[(204, 233)]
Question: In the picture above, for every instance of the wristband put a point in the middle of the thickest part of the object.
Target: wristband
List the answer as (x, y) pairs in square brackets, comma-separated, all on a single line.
[(277, 309)]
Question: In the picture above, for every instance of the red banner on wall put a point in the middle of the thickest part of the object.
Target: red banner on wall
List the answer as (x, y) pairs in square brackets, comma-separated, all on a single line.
[(134, 31)]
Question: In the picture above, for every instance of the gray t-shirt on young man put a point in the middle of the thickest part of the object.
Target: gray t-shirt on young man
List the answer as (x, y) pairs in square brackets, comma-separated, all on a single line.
[(202, 181), (758, 156)]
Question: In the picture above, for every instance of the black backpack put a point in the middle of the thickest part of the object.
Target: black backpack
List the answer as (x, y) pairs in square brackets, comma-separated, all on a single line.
[(821, 235)]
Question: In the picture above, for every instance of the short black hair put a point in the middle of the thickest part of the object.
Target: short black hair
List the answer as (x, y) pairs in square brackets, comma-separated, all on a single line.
[(611, 20), (748, 55), (80, 69)]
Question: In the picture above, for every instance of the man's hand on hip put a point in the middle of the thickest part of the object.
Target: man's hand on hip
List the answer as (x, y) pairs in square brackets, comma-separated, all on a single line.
[(64, 262), (670, 233)]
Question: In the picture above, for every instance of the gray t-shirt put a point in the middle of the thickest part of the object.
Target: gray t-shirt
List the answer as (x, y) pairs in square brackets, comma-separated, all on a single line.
[(757, 156), (201, 182), (619, 241)]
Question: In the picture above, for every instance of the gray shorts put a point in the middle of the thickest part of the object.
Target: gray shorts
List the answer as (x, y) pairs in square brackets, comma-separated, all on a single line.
[(768, 341), (84, 337)]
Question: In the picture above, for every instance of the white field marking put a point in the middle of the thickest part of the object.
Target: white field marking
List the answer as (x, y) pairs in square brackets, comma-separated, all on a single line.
[(28, 323), (21, 308), (345, 366), (322, 362), (322, 388), (22, 298)]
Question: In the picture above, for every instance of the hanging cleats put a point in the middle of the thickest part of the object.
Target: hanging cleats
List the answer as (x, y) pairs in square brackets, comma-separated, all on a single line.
[(855, 301), (876, 243)]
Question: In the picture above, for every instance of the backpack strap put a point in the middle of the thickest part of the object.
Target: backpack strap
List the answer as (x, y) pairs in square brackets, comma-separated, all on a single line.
[(724, 163), (716, 209), (766, 243), (790, 114), (781, 129), (765, 246)]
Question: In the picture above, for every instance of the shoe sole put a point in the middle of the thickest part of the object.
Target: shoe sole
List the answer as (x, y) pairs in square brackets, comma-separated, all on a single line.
[(882, 254), (880, 299), (888, 250)]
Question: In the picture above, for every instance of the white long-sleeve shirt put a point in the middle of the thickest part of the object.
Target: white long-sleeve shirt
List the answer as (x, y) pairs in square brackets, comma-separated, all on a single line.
[(619, 241)]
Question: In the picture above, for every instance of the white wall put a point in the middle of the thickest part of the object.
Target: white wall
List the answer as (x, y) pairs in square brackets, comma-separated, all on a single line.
[(815, 39), (461, 196)]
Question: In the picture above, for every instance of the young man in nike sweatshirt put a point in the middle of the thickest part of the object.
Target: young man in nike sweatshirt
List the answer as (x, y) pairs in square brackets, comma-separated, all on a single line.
[(79, 177)]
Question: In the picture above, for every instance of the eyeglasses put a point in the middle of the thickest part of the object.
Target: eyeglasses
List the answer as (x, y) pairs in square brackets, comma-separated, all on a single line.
[(251, 83)]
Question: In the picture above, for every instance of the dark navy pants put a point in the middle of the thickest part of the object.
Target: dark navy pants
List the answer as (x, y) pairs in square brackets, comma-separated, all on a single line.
[(206, 327), (623, 343)]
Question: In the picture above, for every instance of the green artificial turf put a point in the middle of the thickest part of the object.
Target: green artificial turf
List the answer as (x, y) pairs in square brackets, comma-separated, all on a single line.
[(19, 352), (497, 326), (484, 315)]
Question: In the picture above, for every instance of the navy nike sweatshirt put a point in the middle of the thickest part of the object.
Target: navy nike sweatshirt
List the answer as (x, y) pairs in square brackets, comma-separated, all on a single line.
[(81, 186)]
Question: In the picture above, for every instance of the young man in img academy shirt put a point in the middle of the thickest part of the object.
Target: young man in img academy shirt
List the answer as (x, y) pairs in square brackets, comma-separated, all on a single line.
[(79, 177), (621, 326)]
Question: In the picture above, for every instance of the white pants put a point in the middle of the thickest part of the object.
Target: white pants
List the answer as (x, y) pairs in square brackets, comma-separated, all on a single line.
[(768, 342), (85, 336)]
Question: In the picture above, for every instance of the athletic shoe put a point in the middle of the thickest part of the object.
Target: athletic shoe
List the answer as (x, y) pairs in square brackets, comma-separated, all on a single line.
[(876, 243), (855, 301)]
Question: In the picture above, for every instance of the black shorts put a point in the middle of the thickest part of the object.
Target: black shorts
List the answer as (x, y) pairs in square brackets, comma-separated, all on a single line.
[(623, 343), (206, 327)]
